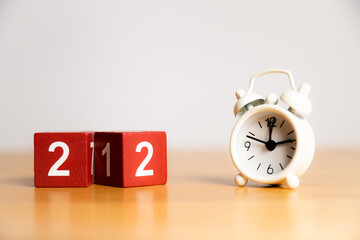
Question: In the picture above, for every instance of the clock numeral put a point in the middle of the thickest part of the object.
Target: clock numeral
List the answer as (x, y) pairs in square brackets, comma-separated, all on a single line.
[(270, 170), (271, 122), (247, 145)]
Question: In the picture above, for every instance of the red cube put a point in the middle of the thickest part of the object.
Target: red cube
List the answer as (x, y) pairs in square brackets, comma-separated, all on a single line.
[(130, 159), (63, 159)]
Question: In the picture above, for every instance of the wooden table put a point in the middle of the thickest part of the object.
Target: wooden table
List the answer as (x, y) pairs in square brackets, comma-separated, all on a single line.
[(200, 201)]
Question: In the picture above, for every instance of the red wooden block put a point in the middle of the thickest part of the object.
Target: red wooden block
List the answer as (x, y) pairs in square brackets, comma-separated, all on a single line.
[(130, 159), (63, 159)]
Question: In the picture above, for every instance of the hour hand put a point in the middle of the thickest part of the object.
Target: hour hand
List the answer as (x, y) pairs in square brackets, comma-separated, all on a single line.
[(286, 141), (256, 139)]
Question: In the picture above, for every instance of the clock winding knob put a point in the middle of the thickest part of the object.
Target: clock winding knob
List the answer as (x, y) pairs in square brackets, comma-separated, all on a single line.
[(298, 99)]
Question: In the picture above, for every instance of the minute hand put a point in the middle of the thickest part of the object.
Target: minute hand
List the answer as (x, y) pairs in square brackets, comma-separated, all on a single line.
[(286, 141), (256, 139)]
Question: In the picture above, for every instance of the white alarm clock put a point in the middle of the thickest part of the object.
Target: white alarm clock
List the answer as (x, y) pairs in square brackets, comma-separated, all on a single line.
[(270, 144)]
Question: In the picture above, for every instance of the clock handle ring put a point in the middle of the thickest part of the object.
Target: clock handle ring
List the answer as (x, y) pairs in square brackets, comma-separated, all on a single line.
[(288, 73)]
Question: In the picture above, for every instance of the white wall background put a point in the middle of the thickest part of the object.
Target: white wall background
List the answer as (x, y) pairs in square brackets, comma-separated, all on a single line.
[(173, 66)]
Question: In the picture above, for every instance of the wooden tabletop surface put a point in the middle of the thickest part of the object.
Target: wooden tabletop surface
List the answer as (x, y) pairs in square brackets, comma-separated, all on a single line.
[(200, 201)]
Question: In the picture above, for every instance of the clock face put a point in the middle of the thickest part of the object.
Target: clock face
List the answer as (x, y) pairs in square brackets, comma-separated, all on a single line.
[(266, 143)]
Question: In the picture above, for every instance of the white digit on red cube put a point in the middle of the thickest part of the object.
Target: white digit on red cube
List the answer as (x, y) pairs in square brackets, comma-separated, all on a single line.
[(63, 159), (129, 159)]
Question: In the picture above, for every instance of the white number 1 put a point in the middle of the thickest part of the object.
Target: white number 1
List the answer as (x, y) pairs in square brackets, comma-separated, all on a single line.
[(140, 172), (92, 157), (106, 151)]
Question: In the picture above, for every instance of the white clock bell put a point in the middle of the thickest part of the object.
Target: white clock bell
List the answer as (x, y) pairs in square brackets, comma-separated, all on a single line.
[(270, 144)]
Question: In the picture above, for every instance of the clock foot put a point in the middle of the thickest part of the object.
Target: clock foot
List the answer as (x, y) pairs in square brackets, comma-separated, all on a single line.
[(292, 181), (240, 180)]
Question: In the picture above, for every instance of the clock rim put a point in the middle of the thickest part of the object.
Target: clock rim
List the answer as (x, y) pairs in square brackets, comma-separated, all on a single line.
[(273, 179)]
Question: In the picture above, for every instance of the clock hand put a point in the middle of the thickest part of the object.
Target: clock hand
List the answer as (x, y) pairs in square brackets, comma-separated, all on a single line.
[(270, 131), (256, 139), (270, 124), (286, 141)]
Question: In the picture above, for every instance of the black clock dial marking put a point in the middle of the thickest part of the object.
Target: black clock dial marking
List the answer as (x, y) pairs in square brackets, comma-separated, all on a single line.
[(259, 124), (281, 166), (258, 166), (252, 134), (293, 148), (271, 122), (282, 123), (270, 170), (251, 157), (290, 132), (289, 156), (247, 145)]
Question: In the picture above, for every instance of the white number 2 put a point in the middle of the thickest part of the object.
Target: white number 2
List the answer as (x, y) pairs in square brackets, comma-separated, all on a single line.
[(54, 169), (140, 172)]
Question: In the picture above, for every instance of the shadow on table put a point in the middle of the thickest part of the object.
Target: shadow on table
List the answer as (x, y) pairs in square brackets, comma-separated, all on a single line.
[(217, 180), (224, 181), (23, 181)]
